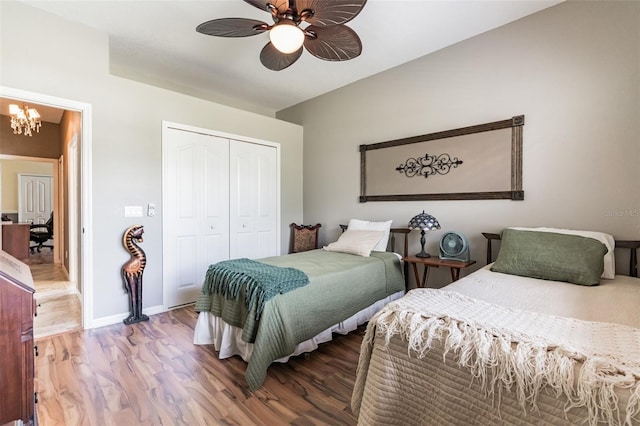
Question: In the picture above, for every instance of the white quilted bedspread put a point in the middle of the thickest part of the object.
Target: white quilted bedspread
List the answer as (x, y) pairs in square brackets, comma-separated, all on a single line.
[(440, 357)]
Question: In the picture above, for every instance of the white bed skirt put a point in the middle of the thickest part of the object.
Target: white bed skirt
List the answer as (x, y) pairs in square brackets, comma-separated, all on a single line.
[(227, 339)]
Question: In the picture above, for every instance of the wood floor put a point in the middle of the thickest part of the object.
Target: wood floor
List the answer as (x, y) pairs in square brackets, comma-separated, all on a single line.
[(151, 373), (58, 312), (59, 308)]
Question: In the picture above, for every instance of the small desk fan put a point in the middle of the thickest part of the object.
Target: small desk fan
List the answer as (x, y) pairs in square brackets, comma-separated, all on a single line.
[(454, 246)]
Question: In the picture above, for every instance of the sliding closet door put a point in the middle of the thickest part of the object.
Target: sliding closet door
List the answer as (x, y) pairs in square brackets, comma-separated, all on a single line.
[(253, 203), (196, 213)]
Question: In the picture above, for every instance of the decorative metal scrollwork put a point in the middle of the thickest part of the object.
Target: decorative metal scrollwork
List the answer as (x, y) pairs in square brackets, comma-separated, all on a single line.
[(429, 165)]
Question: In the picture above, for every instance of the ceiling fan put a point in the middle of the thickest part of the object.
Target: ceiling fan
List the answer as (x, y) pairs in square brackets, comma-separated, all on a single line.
[(318, 25)]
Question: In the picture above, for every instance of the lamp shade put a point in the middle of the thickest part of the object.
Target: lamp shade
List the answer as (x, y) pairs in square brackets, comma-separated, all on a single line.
[(424, 221), (286, 37)]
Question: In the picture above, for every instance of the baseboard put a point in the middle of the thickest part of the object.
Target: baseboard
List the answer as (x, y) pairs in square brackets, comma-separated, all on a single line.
[(115, 319)]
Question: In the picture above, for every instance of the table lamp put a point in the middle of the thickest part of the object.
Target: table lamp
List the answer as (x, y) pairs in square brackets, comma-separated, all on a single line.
[(423, 222)]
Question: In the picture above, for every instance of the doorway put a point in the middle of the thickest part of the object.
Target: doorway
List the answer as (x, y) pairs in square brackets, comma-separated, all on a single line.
[(77, 249)]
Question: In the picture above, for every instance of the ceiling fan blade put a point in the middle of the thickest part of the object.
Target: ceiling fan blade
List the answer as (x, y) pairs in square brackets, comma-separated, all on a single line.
[(330, 12), (275, 60), (232, 27), (335, 43), (280, 5)]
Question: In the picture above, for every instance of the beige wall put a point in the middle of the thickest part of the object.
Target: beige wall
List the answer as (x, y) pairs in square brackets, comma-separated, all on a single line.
[(43, 144), (10, 171), (573, 70), (73, 63)]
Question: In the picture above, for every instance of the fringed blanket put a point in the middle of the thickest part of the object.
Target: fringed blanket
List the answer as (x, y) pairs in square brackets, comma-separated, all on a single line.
[(260, 281), (515, 351)]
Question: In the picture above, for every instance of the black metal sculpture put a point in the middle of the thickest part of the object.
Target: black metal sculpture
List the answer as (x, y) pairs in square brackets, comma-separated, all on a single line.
[(429, 165)]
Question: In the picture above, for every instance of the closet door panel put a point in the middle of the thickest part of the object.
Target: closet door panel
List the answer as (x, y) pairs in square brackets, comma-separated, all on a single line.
[(186, 275), (215, 197), (265, 220), (265, 242), (186, 161), (243, 188), (195, 211), (181, 211), (216, 248), (253, 216), (243, 245)]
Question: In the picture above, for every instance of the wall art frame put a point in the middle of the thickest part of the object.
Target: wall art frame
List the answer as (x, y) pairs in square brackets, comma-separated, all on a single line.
[(481, 162)]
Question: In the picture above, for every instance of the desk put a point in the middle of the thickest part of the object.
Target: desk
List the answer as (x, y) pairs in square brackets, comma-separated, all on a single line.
[(436, 262), (15, 239)]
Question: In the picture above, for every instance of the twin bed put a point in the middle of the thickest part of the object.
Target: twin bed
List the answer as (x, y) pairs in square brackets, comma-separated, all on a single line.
[(535, 344), (552, 338), (344, 291)]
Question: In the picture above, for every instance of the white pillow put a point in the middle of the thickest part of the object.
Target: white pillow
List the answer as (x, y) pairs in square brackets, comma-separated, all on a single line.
[(360, 243), (365, 225), (606, 239)]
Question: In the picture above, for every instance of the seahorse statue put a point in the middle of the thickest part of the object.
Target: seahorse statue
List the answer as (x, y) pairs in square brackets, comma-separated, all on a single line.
[(132, 272)]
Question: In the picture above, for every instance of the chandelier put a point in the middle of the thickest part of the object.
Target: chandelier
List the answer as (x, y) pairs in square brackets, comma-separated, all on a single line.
[(24, 120)]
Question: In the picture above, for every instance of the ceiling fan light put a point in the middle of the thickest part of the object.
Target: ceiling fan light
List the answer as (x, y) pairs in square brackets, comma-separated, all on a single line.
[(286, 37)]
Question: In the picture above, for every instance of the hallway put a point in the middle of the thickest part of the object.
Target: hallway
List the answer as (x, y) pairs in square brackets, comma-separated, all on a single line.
[(58, 301)]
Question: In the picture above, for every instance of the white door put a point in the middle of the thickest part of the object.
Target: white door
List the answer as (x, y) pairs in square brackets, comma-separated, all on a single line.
[(196, 213), (254, 201), (35, 202)]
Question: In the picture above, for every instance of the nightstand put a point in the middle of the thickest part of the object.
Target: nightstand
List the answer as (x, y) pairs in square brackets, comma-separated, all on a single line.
[(436, 262)]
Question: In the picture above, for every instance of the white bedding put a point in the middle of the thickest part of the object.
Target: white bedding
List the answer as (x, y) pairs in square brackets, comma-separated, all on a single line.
[(616, 301), (410, 373)]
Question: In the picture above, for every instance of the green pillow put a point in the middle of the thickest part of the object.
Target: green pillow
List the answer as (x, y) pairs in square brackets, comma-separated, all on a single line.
[(551, 256)]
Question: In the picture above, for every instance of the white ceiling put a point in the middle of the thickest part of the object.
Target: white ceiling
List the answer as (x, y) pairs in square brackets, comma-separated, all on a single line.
[(155, 42)]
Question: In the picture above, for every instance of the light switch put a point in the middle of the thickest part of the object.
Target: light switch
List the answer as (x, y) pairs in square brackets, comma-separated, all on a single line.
[(151, 209), (132, 211)]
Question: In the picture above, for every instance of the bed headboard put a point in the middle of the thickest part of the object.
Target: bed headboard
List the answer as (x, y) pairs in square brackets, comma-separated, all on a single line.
[(625, 244)]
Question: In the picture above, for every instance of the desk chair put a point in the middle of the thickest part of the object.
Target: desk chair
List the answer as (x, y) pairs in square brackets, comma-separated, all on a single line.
[(40, 233)]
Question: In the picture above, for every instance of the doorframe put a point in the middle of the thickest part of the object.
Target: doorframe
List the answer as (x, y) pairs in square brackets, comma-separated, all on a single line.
[(72, 215), (166, 125), (59, 192), (85, 205)]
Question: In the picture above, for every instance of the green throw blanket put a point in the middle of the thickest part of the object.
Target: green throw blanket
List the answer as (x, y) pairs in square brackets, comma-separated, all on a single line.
[(260, 281)]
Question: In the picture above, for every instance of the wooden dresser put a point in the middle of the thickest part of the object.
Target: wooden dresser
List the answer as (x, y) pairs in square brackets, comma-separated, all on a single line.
[(17, 309)]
